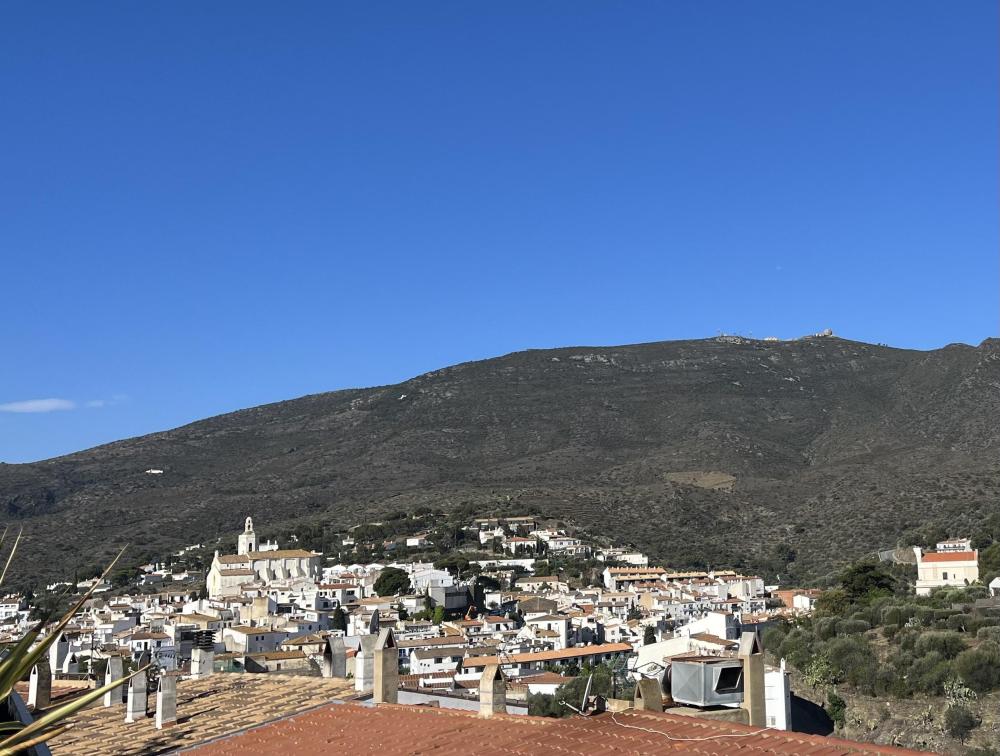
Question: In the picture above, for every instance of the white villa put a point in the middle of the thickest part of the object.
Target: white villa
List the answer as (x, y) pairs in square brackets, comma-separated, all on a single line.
[(954, 564)]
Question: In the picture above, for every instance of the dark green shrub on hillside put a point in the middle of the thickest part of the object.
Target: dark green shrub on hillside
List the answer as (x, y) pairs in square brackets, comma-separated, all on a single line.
[(947, 643), (929, 673), (979, 668), (833, 602), (853, 661), (908, 639), (924, 615), (774, 636), (893, 615), (959, 722), (961, 622), (869, 615), (989, 633), (825, 627), (888, 682), (836, 708), (852, 627), (797, 648)]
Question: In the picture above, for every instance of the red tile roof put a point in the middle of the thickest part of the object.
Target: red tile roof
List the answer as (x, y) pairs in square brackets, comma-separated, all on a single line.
[(397, 730), (949, 556)]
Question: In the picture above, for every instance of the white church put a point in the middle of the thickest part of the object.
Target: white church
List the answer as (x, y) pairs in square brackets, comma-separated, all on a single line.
[(258, 565)]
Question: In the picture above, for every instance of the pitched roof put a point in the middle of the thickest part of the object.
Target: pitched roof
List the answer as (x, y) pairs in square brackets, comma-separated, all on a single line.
[(949, 556), (565, 653), (277, 655), (237, 572), (277, 554), (454, 652), (714, 640), (195, 617), (393, 730), (430, 642), (208, 708)]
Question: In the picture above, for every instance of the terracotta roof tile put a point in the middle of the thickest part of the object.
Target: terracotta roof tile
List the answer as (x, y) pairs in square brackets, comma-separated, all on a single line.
[(208, 708), (949, 556), (398, 730)]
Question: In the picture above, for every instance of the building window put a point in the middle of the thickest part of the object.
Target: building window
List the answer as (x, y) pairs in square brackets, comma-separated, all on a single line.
[(944, 575)]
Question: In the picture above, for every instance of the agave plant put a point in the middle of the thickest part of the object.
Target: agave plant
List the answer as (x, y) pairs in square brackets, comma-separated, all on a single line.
[(22, 656)]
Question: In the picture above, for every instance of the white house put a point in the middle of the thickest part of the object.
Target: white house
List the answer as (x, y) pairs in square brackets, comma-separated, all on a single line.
[(950, 567), (244, 639)]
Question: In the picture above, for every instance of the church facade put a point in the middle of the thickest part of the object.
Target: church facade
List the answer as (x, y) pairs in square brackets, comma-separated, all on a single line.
[(259, 565)]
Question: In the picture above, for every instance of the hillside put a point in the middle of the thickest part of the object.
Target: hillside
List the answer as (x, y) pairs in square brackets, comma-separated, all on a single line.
[(708, 451)]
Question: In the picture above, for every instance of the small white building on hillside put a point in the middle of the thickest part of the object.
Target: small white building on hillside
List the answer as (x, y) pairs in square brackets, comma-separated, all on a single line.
[(955, 564)]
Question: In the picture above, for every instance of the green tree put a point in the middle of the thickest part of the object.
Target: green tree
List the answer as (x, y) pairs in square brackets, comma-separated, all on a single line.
[(392, 581), (989, 563), (979, 667), (338, 620), (833, 601), (454, 563), (959, 722), (866, 580), (836, 707), (947, 643), (648, 635), (437, 616)]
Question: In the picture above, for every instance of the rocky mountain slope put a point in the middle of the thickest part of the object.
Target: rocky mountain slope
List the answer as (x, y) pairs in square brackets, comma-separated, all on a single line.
[(702, 452)]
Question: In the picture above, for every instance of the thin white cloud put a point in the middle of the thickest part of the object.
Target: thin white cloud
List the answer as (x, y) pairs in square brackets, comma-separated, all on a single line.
[(38, 405)]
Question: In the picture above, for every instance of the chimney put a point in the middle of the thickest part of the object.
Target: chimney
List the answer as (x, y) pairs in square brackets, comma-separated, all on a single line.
[(492, 692), (136, 706), (115, 671), (648, 695), (166, 702), (386, 664), (58, 652), (203, 654), (364, 664), (752, 654), (40, 685), (335, 658), (202, 662)]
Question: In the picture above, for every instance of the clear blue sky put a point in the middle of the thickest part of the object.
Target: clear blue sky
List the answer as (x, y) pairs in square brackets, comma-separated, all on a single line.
[(208, 206)]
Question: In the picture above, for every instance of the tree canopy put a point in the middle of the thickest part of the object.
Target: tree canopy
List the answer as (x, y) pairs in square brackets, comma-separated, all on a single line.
[(392, 582)]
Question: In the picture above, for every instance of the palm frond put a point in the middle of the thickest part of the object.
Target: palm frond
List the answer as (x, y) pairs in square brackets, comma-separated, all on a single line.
[(44, 725), (13, 550), (20, 661)]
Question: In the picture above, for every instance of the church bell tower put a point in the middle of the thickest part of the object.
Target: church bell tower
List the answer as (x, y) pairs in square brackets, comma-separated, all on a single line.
[(247, 541)]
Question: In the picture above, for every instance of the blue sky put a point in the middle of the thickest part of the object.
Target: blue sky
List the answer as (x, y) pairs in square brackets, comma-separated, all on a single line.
[(208, 206)]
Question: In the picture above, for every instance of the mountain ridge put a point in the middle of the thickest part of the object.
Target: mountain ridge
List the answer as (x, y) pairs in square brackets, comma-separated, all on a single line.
[(577, 432)]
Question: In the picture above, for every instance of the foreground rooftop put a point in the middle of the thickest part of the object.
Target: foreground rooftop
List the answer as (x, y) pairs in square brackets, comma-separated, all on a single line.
[(389, 730), (208, 708)]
